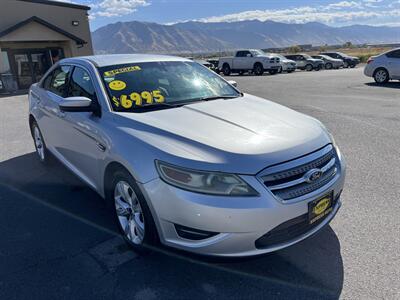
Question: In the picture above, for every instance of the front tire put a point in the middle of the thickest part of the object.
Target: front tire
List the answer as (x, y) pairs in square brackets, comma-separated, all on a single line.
[(132, 213), (273, 72), (328, 66), (381, 76)]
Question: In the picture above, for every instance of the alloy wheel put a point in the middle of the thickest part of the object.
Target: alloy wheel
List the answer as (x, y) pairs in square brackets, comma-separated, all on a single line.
[(129, 212), (39, 145), (381, 76)]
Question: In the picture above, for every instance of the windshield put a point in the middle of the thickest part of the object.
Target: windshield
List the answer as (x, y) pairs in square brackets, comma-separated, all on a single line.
[(141, 86), (306, 56), (258, 52), (279, 55), (342, 54)]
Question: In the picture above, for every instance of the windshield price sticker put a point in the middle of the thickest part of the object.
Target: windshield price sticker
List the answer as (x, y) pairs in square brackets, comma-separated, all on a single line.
[(138, 99), (121, 70)]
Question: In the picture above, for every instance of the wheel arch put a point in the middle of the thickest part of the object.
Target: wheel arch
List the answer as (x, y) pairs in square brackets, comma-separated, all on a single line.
[(110, 169), (258, 63)]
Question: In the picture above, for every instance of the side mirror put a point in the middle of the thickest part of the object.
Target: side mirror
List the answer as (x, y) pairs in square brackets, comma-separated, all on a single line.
[(76, 104), (233, 83)]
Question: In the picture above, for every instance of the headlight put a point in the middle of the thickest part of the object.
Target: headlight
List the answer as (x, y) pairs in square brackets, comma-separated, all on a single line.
[(213, 183)]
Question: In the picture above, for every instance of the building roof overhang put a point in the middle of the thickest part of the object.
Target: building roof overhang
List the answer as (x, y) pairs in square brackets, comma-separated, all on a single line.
[(58, 3), (42, 22)]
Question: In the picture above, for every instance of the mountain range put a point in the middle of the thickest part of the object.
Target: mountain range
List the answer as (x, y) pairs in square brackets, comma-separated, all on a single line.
[(131, 37)]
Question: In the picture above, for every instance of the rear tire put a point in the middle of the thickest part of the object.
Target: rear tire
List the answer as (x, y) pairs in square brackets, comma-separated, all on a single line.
[(40, 146), (258, 69), (132, 214), (226, 69), (381, 76), (308, 67)]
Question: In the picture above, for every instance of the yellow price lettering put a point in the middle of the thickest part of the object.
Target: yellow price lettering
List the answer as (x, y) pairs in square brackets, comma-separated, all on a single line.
[(125, 102), (158, 97), (136, 98), (147, 96)]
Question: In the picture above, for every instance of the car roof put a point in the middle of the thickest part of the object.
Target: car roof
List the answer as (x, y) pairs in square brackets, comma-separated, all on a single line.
[(120, 59)]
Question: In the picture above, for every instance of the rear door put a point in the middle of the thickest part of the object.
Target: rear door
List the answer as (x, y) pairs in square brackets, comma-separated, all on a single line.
[(393, 63), (53, 92)]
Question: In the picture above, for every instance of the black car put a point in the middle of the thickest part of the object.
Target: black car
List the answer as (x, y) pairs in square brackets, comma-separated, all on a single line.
[(349, 61)]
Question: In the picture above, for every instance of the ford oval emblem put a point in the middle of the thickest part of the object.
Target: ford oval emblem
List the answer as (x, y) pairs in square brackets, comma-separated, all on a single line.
[(313, 175)]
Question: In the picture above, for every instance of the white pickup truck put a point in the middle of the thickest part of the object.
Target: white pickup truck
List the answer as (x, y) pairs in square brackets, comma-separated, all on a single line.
[(252, 60)]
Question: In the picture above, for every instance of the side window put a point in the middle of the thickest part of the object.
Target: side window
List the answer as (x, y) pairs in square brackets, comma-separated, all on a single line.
[(245, 53), (59, 80), (394, 54), (240, 54), (81, 85), (47, 81)]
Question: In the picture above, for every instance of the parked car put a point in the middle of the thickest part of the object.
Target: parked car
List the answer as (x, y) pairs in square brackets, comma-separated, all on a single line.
[(252, 60), (288, 65), (384, 67), (306, 62), (183, 157), (348, 61), (329, 62), (204, 63), (214, 62)]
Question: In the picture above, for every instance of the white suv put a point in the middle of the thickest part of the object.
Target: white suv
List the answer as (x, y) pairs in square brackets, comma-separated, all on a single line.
[(384, 67)]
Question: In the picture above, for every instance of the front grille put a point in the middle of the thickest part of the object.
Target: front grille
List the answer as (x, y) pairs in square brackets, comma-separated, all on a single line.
[(287, 182), (290, 230)]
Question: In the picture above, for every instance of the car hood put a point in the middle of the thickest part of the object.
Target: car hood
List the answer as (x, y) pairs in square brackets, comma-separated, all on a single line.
[(242, 135)]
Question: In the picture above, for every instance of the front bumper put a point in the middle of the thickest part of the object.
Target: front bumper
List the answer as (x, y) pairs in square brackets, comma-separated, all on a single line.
[(237, 221)]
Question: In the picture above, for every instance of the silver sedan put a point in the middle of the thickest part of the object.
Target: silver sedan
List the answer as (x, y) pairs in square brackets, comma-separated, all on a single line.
[(183, 157)]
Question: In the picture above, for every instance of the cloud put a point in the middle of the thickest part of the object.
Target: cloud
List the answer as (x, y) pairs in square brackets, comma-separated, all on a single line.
[(334, 13), (116, 8)]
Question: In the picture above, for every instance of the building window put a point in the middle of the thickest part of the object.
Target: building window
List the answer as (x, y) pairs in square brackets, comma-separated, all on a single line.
[(7, 80)]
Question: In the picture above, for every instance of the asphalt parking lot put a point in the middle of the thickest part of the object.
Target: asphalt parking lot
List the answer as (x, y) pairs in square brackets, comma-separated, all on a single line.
[(58, 239)]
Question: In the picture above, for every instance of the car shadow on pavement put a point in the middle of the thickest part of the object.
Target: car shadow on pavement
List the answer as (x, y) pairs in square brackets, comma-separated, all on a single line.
[(390, 85), (312, 268)]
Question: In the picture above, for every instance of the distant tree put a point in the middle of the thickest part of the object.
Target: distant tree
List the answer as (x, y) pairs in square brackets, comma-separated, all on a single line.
[(294, 49), (348, 45)]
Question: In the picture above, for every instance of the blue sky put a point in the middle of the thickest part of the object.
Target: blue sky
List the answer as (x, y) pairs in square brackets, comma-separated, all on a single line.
[(334, 13)]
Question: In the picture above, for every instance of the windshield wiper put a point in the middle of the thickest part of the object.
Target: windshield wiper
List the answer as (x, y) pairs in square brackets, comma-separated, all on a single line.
[(217, 97)]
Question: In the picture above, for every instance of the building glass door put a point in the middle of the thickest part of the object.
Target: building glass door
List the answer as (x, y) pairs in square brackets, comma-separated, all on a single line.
[(29, 65)]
